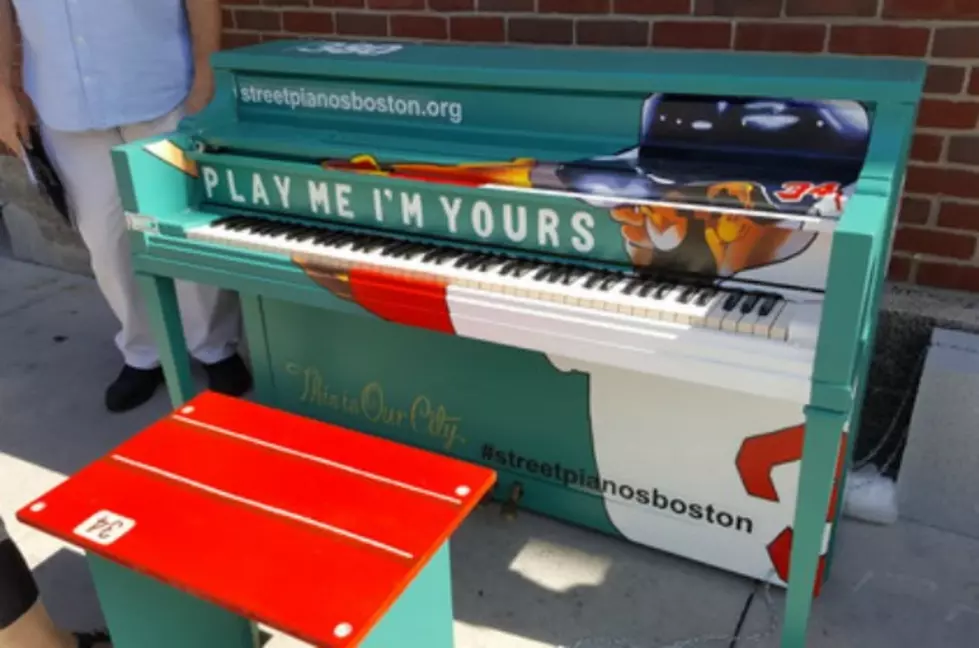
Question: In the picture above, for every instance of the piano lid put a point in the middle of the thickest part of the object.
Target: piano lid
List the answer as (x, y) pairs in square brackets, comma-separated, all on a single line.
[(792, 157)]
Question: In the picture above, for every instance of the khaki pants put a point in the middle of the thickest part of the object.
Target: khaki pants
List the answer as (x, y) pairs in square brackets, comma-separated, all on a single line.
[(210, 316)]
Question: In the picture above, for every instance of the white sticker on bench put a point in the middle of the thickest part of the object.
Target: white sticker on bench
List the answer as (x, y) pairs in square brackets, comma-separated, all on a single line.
[(105, 527)]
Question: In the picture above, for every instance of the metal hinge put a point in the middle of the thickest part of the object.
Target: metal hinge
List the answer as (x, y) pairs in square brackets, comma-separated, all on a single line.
[(142, 223)]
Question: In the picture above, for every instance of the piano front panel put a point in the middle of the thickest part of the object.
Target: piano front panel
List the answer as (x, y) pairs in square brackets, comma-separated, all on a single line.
[(699, 471)]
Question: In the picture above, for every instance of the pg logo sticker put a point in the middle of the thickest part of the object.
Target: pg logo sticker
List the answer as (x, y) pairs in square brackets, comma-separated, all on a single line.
[(105, 527)]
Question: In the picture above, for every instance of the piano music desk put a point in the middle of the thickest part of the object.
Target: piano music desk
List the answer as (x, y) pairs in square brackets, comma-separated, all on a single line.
[(227, 513)]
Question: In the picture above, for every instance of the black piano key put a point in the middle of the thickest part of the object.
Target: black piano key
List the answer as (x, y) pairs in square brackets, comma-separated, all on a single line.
[(544, 273), (395, 247), (732, 300), (574, 274), (524, 268), (631, 287), (464, 259), (593, 280), (705, 296), (508, 267), (767, 305), (687, 294), (612, 281), (664, 290), (748, 303), (647, 287)]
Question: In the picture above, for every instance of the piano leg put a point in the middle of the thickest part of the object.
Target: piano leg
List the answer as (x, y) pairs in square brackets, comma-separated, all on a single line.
[(160, 295), (820, 456)]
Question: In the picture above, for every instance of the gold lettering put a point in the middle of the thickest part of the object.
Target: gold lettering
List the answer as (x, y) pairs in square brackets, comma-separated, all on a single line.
[(372, 404), (435, 421)]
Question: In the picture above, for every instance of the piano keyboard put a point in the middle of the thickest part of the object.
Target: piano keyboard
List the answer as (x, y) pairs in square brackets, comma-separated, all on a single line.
[(664, 299)]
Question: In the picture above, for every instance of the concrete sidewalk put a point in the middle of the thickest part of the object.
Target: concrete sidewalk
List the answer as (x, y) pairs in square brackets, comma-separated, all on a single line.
[(526, 583)]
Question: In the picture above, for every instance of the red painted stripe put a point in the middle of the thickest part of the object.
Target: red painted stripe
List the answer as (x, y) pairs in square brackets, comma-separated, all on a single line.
[(372, 454), (322, 493), (404, 300)]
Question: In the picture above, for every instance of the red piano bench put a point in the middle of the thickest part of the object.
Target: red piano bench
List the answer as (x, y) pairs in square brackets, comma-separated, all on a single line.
[(226, 514)]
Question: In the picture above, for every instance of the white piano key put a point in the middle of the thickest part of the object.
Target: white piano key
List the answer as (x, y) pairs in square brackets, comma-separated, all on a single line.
[(763, 325)]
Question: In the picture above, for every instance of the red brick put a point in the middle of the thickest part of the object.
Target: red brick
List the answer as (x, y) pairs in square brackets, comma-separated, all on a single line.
[(477, 29), (308, 22), (944, 79), (956, 42), (574, 6), (282, 3), (749, 8), (622, 33), (505, 5), (959, 216), (964, 149), (232, 40), (451, 5), (941, 113), (396, 5), (927, 148), (914, 211), (775, 37), (831, 7), (550, 31), (933, 180), (419, 26), (345, 4), (361, 24), (934, 9), (258, 20), (974, 82), (651, 7), (879, 40), (921, 240), (227, 19), (899, 268), (947, 275), (700, 35)]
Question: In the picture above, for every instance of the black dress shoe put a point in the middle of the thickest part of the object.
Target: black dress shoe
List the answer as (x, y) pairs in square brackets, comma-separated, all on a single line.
[(230, 376), (132, 388), (93, 639)]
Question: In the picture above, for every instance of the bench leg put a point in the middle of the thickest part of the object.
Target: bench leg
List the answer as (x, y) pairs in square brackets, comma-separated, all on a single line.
[(422, 616), (163, 310), (143, 612)]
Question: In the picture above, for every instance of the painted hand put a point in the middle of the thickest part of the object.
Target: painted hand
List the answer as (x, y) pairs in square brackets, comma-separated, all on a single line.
[(646, 229)]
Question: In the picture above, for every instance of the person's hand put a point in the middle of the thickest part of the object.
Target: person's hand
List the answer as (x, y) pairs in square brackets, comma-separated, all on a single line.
[(201, 91), (14, 124)]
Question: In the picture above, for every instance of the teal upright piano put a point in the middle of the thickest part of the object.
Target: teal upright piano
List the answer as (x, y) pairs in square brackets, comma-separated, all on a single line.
[(640, 285)]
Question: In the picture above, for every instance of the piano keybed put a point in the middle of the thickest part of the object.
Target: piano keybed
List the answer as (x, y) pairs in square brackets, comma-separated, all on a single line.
[(661, 298)]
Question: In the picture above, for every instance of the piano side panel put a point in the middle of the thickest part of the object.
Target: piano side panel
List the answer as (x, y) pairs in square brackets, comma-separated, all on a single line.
[(705, 473)]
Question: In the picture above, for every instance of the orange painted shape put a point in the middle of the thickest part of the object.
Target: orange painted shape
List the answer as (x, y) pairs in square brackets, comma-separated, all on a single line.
[(404, 300), (759, 456)]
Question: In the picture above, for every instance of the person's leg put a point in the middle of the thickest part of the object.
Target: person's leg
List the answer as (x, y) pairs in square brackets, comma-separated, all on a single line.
[(84, 165), (211, 316), (24, 621)]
